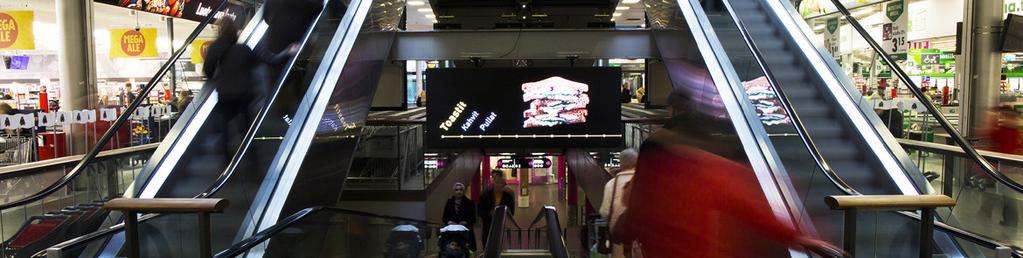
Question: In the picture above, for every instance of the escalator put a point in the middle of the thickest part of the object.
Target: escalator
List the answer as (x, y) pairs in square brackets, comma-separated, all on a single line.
[(834, 144), (319, 104), (542, 238), (68, 207)]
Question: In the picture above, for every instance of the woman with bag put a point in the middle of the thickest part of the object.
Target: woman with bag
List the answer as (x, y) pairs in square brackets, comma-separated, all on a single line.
[(612, 206)]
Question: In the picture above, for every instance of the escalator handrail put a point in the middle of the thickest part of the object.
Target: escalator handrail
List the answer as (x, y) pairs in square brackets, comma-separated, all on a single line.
[(833, 177), (495, 241), (952, 131), (796, 122), (555, 238), (121, 120), (262, 236), (217, 184)]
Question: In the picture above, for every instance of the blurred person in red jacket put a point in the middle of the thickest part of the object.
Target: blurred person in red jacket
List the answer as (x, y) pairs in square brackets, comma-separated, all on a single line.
[(1004, 131), (687, 199)]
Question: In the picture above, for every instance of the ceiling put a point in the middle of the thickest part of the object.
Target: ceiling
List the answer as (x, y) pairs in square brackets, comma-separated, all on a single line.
[(491, 14)]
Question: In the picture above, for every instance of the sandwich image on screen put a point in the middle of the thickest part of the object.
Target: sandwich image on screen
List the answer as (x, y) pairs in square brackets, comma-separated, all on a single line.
[(555, 101)]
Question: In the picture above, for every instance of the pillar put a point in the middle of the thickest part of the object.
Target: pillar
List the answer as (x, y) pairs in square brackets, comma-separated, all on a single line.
[(980, 64), (561, 176), (77, 64)]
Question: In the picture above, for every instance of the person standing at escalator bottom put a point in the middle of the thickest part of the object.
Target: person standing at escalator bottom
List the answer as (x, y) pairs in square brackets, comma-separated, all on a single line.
[(498, 194), (686, 199), (236, 72)]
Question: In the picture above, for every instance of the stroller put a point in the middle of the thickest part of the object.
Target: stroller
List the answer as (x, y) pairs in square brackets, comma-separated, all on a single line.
[(404, 242), (454, 242)]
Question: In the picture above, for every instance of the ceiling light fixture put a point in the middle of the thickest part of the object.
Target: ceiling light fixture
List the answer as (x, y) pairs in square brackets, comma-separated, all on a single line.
[(630, 1), (616, 14), (622, 7), (416, 3), (425, 10), (431, 16)]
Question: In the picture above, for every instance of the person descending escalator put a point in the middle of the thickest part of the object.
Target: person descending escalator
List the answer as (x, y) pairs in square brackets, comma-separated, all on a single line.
[(237, 74), (459, 210), (498, 194), (612, 206), (689, 198)]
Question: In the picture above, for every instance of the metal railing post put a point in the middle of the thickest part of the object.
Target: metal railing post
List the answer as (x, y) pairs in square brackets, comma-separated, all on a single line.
[(849, 239)]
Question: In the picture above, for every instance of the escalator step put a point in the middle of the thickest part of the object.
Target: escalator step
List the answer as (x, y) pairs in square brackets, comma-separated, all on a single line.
[(837, 149), (824, 128), (814, 112), (784, 60), (784, 75)]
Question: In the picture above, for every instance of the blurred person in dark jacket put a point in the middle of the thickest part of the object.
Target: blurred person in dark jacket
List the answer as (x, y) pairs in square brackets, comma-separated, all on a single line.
[(689, 198), (233, 68), (459, 210), (498, 194)]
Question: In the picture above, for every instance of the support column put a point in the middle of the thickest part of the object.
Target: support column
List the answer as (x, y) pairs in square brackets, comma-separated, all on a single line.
[(981, 64), (77, 64), (174, 67)]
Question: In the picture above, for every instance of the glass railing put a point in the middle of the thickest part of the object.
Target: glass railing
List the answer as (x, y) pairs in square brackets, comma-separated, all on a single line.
[(389, 157), (68, 207), (335, 232), (960, 177)]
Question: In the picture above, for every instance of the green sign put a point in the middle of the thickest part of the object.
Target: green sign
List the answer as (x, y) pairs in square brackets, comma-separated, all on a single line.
[(894, 10), (832, 25)]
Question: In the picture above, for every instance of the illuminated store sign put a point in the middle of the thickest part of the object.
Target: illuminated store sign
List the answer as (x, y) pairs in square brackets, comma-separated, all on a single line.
[(513, 163), (195, 10)]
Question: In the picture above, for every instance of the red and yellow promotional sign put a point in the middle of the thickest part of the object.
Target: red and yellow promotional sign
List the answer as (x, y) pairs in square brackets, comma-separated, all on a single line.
[(131, 43), (199, 47), (16, 30)]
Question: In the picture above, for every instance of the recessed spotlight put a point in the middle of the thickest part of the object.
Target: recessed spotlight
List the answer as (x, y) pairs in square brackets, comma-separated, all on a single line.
[(416, 3), (434, 21), (616, 14), (622, 7), (425, 10), (431, 16)]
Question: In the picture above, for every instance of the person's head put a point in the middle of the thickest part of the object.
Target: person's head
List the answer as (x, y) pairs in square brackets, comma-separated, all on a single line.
[(227, 29), (459, 190), (128, 86), (6, 109), (497, 178), (627, 158)]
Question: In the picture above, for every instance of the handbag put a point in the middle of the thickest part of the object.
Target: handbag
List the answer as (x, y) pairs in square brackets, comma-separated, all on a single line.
[(604, 234)]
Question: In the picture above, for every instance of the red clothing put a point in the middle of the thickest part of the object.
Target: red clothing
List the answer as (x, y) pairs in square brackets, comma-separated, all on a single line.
[(686, 202), (1005, 139)]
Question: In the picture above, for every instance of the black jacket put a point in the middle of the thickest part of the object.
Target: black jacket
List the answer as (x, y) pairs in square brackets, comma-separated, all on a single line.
[(233, 67), (486, 205), (466, 211)]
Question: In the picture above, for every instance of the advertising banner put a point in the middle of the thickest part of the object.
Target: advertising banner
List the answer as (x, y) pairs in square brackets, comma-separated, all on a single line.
[(132, 43), (831, 38), (195, 10), (199, 47), (895, 29), (16, 30)]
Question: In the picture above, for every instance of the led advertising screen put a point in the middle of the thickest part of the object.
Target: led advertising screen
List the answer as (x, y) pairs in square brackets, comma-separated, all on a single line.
[(195, 10), (523, 107)]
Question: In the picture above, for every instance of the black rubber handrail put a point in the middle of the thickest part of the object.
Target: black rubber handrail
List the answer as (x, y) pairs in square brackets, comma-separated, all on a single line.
[(833, 177), (495, 241), (952, 131), (123, 118), (262, 236)]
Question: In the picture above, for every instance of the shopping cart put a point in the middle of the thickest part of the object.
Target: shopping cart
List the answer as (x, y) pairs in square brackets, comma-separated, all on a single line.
[(16, 150)]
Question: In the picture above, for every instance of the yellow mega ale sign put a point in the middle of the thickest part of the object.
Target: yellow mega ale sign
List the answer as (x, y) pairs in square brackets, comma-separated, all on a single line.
[(199, 48), (16, 30), (133, 43)]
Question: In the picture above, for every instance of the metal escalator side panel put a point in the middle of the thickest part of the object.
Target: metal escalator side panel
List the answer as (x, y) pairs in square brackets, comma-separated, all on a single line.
[(896, 162), (328, 120), (589, 174), (719, 75)]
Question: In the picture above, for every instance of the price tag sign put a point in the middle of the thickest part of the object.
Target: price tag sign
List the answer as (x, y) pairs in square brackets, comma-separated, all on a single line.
[(895, 29), (930, 59), (831, 37)]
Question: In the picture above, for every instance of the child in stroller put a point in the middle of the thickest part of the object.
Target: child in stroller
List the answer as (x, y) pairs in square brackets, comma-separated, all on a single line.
[(454, 241), (404, 242)]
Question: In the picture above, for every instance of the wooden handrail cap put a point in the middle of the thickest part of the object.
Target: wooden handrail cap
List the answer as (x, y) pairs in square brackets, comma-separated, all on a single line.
[(888, 202), (167, 205)]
